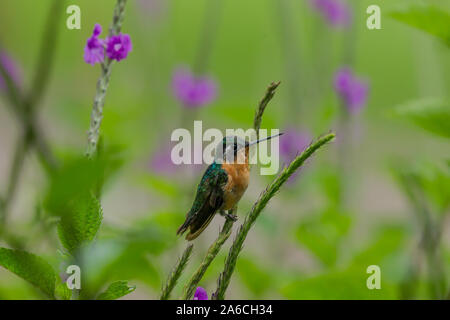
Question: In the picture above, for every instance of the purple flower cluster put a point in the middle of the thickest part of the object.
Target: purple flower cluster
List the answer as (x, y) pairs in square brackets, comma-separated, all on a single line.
[(336, 12), (352, 90), (116, 47), (200, 294), (292, 143), (11, 69), (192, 91), (161, 161)]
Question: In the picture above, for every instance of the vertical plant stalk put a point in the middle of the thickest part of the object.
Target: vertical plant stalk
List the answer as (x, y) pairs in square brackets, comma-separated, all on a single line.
[(202, 56), (344, 151), (102, 84), (270, 92), (345, 125), (24, 107), (292, 60), (210, 23), (47, 53), (431, 235), (16, 166), (26, 115), (176, 273), (260, 204), (213, 250)]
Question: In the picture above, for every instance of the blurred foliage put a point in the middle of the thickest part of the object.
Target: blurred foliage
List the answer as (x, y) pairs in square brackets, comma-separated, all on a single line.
[(307, 244), (81, 226), (321, 233), (255, 276), (116, 290), (350, 283), (31, 268), (428, 18), (431, 115)]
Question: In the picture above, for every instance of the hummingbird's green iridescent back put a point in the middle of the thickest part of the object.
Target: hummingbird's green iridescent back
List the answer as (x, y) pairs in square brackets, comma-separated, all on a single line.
[(208, 200)]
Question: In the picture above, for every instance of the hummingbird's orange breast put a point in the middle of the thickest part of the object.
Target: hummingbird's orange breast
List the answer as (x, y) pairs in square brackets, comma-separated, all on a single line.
[(238, 178)]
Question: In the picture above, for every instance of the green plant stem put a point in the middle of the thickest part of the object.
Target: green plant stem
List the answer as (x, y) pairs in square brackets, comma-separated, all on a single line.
[(292, 58), (17, 163), (24, 108), (260, 204), (431, 234), (213, 250), (176, 273), (102, 84), (270, 92), (26, 115), (47, 53), (210, 22)]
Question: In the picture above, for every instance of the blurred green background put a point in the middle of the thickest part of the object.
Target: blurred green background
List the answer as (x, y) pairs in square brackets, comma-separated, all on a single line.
[(316, 238)]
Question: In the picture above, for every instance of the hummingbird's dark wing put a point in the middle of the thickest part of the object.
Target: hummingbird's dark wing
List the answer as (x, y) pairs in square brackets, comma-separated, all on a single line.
[(208, 200)]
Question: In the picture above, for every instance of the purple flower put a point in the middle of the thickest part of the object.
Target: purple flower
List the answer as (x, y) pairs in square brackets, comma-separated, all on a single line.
[(94, 51), (336, 12), (162, 163), (11, 68), (200, 294), (193, 91), (117, 47), (292, 143), (352, 90)]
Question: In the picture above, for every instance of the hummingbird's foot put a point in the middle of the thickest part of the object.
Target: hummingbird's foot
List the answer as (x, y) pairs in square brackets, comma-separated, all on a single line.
[(229, 216)]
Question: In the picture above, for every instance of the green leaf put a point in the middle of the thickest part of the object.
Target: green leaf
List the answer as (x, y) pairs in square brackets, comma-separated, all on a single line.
[(62, 291), (160, 184), (435, 181), (426, 185), (430, 19), (254, 276), (80, 225), (116, 290), (432, 115), (387, 240), (321, 234), (31, 268), (347, 284), (79, 175)]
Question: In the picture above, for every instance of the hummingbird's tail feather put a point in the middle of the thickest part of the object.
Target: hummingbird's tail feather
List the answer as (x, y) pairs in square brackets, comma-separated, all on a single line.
[(200, 216), (201, 219), (182, 229), (195, 231)]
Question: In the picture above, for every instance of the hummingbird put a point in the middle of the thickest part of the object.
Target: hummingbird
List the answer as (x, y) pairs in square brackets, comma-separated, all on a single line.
[(222, 185)]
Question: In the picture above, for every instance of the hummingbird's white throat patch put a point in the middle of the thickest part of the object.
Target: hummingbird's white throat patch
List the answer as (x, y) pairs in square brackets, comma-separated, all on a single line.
[(191, 149)]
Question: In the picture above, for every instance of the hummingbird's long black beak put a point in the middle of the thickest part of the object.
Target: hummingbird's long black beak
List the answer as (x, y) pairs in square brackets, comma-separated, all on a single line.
[(263, 139)]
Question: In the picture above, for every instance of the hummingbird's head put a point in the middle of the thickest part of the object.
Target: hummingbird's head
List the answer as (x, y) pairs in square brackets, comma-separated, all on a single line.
[(234, 148), (230, 147)]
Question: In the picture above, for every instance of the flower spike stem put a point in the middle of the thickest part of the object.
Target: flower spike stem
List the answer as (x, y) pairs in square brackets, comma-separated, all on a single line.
[(270, 92), (24, 105), (260, 204), (213, 250), (102, 84), (176, 273)]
